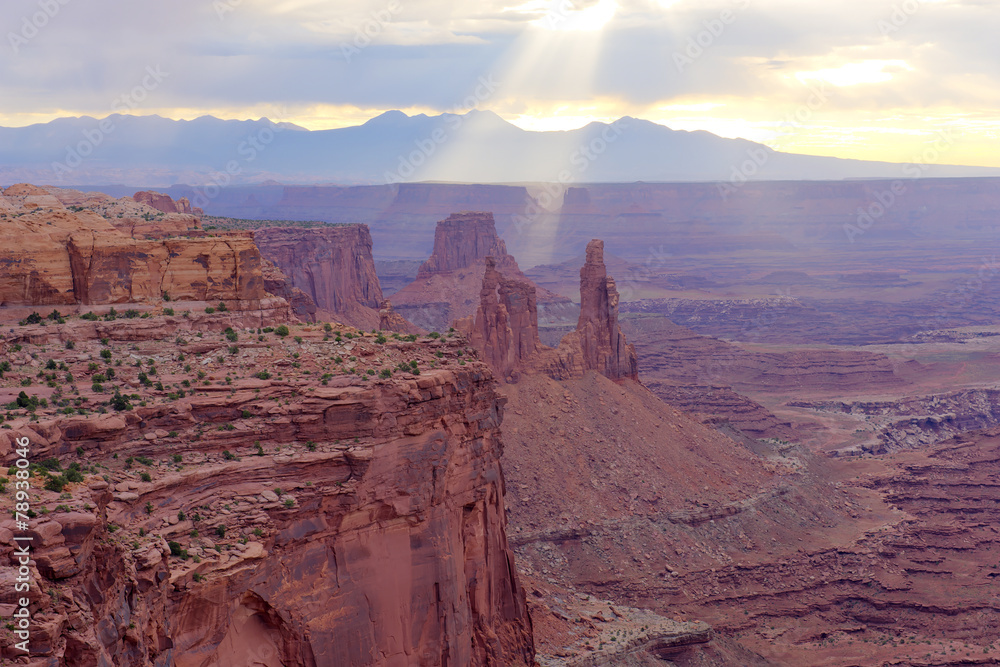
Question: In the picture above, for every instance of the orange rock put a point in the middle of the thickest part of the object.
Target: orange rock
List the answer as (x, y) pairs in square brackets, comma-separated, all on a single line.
[(57, 256)]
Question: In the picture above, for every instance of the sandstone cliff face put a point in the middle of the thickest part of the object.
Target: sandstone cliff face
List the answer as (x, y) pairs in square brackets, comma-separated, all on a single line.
[(333, 265), (447, 287), (461, 240), (57, 256), (368, 529), (278, 284), (165, 203)]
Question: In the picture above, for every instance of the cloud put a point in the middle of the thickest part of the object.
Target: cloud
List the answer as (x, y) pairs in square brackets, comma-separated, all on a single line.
[(309, 55)]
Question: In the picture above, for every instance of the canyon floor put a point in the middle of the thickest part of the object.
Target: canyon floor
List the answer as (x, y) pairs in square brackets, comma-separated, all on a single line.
[(866, 535)]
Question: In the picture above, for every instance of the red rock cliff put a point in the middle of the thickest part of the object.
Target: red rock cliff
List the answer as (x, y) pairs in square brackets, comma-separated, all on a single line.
[(165, 203), (333, 265), (368, 529), (50, 255), (463, 239)]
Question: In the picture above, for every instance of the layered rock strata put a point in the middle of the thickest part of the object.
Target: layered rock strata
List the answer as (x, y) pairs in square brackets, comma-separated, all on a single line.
[(269, 522), (332, 265), (52, 255), (165, 203)]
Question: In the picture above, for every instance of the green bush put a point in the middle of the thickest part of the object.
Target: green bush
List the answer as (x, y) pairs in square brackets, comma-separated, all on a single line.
[(51, 464), (120, 403), (220, 530), (56, 483), (282, 330)]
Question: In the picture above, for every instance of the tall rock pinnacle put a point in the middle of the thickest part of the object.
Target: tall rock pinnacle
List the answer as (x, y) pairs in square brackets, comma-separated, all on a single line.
[(602, 342)]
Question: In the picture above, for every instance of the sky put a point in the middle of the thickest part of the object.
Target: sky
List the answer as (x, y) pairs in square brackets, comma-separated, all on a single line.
[(868, 79)]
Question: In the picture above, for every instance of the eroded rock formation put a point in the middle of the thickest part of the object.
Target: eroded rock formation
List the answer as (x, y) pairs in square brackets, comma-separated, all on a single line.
[(333, 265), (278, 284), (505, 328), (368, 527), (602, 343), (165, 203), (51, 255), (448, 284), (390, 320)]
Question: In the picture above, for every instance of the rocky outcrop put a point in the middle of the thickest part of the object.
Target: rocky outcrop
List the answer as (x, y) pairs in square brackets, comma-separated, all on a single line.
[(368, 527), (463, 239), (505, 329), (602, 343), (110, 270), (332, 265), (278, 284), (57, 256), (165, 203), (448, 284), (390, 320)]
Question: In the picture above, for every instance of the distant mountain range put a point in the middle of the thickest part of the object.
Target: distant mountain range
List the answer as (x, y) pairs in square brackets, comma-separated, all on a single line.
[(475, 147)]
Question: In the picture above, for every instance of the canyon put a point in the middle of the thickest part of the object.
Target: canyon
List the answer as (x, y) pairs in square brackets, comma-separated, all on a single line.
[(634, 455)]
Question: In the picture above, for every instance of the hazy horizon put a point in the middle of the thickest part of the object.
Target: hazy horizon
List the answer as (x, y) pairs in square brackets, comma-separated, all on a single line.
[(861, 80)]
